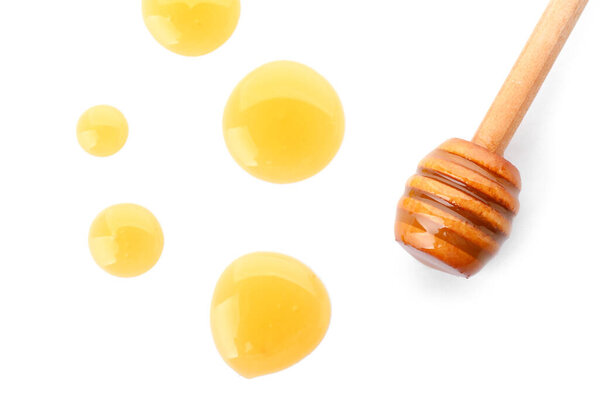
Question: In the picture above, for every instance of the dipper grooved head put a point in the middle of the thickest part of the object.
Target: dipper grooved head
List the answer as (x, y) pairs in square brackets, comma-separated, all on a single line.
[(457, 210)]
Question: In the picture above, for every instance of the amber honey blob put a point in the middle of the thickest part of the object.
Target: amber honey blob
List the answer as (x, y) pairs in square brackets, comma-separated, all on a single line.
[(191, 27), (102, 130), (268, 312), (126, 240), (284, 122)]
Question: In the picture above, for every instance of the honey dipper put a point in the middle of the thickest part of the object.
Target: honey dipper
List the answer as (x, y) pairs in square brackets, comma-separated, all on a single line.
[(457, 209)]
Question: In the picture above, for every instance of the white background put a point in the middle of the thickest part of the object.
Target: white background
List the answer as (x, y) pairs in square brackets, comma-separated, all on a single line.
[(411, 74)]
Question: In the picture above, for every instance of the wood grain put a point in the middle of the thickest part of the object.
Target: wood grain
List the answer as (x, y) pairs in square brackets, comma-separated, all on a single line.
[(528, 74), (457, 209)]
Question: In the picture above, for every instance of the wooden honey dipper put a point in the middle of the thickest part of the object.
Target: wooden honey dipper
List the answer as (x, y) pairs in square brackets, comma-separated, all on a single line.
[(457, 210)]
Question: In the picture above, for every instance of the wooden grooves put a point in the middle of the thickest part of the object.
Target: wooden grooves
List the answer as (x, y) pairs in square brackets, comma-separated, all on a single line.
[(457, 209)]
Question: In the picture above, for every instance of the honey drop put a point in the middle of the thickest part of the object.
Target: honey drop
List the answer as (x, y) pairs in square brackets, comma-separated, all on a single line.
[(268, 312), (283, 122), (126, 240), (191, 27), (102, 131)]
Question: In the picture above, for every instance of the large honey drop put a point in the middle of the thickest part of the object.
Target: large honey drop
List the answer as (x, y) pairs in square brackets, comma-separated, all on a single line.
[(102, 131), (191, 27), (126, 240), (283, 122), (268, 312)]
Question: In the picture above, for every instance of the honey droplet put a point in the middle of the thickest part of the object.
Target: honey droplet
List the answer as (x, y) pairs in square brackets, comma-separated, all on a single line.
[(102, 131), (126, 240), (191, 27), (283, 122), (268, 312)]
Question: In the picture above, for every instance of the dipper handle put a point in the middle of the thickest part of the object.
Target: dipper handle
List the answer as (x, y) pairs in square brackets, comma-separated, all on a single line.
[(528, 74)]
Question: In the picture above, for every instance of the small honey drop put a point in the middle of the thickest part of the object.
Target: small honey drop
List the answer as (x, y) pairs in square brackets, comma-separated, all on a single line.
[(126, 240), (191, 27), (102, 131), (283, 122), (268, 312)]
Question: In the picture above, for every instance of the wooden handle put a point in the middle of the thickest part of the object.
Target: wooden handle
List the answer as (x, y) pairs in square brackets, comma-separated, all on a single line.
[(528, 74)]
